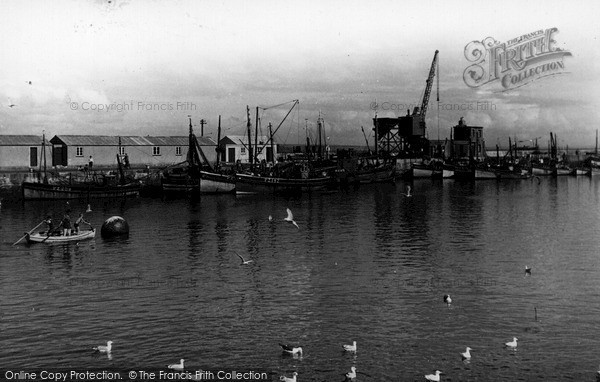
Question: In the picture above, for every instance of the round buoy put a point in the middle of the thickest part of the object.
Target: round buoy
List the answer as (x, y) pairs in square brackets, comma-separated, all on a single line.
[(114, 226)]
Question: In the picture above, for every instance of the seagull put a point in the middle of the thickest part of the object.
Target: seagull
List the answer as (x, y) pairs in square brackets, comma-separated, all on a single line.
[(270, 218), (350, 347), (527, 270), (291, 349), (286, 379), (434, 377), (177, 366), (290, 218), (408, 194), (244, 261), (104, 349), (512, 344), (467, 354), (352, 373), (12, 105), (89, 209), (447, 299)]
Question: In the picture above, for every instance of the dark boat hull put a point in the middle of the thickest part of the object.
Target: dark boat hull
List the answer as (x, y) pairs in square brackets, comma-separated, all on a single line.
[(259, 184), (42, 191)]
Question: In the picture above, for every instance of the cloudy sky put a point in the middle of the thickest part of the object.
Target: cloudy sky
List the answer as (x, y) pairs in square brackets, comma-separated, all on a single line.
[(153, 63)]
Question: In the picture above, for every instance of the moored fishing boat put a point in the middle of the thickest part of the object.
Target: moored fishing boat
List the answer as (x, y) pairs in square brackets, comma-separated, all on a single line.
[(254, 184), (196, 175), (43, 237), (77, 190), (87, 185)]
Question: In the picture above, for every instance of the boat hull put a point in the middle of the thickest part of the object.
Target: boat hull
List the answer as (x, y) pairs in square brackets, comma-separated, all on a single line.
[(377, 175), (42, 191), (259, 184), (212, 183), (485, 174), (42, 237)]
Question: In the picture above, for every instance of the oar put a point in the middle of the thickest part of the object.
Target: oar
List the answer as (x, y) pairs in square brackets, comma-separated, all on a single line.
[(29, 233)]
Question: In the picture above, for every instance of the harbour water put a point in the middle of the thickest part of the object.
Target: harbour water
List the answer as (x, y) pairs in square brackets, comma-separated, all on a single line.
[(367, 265)]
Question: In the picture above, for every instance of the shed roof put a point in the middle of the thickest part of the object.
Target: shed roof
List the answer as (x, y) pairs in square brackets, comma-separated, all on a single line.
[(109, 140), (21, 140), (243, 140)]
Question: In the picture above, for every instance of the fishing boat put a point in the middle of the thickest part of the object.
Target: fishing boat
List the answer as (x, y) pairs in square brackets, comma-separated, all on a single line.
[(195, 174), (433, 169), (43, 237), (304, 173), (253, 184), (87, 185)]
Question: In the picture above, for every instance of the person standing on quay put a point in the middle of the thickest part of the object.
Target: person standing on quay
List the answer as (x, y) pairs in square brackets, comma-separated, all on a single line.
[(91, 163)]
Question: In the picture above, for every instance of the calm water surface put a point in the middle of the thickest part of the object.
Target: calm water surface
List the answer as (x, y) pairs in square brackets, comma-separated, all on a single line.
[(368, 265)]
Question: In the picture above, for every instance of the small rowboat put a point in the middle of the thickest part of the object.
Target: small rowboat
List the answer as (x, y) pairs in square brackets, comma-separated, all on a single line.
[(42, 237)]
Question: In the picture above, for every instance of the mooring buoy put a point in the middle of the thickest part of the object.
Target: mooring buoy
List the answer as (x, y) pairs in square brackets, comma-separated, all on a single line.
[(114, 226)]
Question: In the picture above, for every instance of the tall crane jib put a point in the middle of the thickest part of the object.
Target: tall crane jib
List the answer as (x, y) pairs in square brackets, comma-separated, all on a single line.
[(429, 83)]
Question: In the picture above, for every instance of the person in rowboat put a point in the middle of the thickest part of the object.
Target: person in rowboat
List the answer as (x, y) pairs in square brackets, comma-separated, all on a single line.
[(66, 224), (80, 220), (49, 224)]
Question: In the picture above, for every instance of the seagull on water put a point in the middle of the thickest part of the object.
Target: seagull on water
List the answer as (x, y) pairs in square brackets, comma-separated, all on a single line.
[(104, 349), (434, 377), (291, 349), (287, 379), (270, 218), (527, 270), (467, 354), (244, 261), (512, 344), (290, 218), (408, 194), (350, 347), (447, 299), (177, 366), (352, 373)]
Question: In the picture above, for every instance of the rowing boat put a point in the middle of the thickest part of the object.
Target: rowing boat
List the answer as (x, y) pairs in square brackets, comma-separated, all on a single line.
[(42, 237)]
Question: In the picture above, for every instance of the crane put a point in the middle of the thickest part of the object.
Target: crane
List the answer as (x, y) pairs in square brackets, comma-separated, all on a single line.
[(423, 110)]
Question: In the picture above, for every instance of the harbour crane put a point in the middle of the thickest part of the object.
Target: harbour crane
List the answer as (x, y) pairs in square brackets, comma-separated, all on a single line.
[(422, 111)]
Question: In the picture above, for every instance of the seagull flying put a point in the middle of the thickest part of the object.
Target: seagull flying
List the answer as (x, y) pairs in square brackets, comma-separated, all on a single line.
[(512, 344), (177, 366), (527, 270), (434, 377), (244, 261), (104, 349), (408, 194), (12, 105), (290, 218), (286, 379), (467, 354), (447, 299), (350, 347)]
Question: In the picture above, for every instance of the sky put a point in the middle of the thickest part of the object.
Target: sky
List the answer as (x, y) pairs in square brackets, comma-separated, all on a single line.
[(112, 67)]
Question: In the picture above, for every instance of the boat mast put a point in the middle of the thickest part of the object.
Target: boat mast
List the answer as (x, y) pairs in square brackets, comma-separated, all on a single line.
[(366, 140), (256, 138), (218, 148), (44, 155), (271, 140), (249, 125), (319, 127), (121, 173)]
